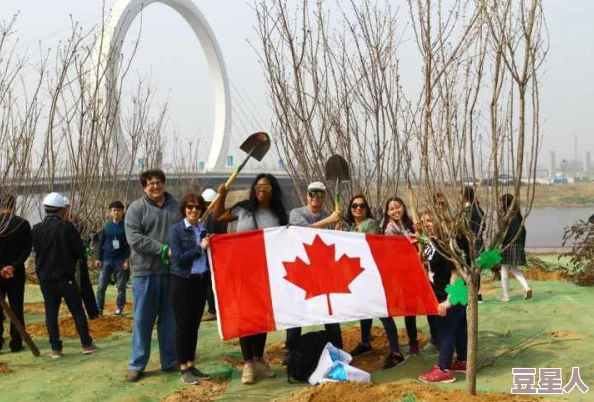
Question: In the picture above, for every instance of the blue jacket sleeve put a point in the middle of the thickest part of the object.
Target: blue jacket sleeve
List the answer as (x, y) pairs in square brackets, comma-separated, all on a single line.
[(180, 256)]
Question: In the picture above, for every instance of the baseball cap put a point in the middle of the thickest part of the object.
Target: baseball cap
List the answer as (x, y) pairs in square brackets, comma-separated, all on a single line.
[(209, 194), (54, 200), (316, 185)]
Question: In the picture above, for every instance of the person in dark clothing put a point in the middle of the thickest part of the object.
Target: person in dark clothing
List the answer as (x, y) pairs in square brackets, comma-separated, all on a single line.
[(212, 227), (189, 241), (58, 246), (15, 247), (112, 256), (452, 331), (513, 246), (477, 222)]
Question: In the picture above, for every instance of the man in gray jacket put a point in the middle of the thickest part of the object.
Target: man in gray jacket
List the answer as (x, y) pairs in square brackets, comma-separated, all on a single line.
[(147, 225)]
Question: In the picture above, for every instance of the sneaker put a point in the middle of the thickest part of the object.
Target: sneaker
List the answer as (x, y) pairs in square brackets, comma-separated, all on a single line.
[(413, 350), (437, 375), (187, 377), (394, 360), (118, 311), (247, 373), (198, 373), (133, 375), (458, 366), (528, 294), (208, 316), (263, 369), (504, 299), (480, 298), (16, 348), (360, 350), (56, 354), (87, 350)]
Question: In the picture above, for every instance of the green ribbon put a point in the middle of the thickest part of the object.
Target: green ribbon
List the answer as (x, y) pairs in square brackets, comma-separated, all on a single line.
[(164, 256), (489, 259), (88, 251)]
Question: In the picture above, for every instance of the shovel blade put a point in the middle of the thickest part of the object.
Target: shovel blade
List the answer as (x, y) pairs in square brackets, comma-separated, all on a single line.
[(256, 145), (337, 169)]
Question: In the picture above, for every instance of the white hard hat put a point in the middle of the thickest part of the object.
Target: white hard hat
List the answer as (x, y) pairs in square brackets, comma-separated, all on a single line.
[(209, 194), (54, 200), (66, 202)]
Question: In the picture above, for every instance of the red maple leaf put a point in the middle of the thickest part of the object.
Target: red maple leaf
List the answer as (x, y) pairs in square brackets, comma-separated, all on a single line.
[(323, 275)]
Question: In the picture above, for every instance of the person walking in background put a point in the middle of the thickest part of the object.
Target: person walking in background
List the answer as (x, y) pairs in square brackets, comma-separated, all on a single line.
[(313, 215), (58, 246), (513, 248), (398, 223), (147, 224), (189, 241), (112, 256), (476, 220), (359, 219), (212, 227), (264, 209), (15, 248)]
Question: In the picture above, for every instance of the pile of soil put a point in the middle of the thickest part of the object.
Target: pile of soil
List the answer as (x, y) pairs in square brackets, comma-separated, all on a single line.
[(100, 328), (366, 392), (539, 274), (351, 336), (4, 368), (205, 391), (39, 308)]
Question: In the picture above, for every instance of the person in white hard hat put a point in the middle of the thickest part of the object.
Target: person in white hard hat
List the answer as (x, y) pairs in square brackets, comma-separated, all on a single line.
[(58, 246), (212, 227)]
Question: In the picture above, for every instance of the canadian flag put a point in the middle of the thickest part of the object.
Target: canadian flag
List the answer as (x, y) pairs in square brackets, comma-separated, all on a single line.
[(271, 279)]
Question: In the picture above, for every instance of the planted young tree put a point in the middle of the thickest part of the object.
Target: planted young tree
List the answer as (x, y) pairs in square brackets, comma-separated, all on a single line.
[(335, 86)]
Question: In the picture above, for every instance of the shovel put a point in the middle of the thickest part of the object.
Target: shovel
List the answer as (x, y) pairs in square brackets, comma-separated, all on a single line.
[(337, 170), (256, 146), (19, 326)]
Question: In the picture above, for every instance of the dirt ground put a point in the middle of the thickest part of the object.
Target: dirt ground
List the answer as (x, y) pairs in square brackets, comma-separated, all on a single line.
[(206, 392), (359, 392), (4, 367), (100, 328)]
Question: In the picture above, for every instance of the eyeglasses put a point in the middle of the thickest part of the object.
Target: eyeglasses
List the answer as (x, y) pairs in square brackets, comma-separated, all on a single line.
[(194, 207), (316, 194), (263, 187), (355, 205), (156, 183)]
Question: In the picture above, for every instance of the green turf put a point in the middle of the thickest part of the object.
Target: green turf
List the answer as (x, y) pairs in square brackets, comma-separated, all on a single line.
[(556, 306)]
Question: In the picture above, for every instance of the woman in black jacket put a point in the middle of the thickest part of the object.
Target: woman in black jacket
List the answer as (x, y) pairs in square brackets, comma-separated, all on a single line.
[(513, 254)]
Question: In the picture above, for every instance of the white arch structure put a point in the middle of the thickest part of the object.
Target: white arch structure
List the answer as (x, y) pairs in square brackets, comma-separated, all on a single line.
[(115, 29)]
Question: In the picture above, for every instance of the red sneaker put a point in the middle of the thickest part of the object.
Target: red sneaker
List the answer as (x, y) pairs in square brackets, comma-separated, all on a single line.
[(458, 366), (437, 375)]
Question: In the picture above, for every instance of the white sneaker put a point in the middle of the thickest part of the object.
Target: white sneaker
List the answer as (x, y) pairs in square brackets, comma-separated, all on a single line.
[(504, 298), (118, 311)]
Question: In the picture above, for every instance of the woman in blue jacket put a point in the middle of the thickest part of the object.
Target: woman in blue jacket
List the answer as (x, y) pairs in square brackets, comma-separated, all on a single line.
[(188, 243)]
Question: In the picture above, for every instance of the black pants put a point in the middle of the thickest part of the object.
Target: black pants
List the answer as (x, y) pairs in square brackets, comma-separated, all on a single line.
[(212, 307), (53, 293), (294, 336), (410, 321), (432, 321), (252, 346), (14, 289), (87, 292), (188, 297)]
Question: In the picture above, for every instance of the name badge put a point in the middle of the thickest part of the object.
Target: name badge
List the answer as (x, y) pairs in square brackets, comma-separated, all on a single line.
[(115, 244)]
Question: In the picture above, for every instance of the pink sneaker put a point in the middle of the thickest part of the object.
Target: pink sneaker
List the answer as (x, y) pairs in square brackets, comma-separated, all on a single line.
[(458, 366), (437, 375)]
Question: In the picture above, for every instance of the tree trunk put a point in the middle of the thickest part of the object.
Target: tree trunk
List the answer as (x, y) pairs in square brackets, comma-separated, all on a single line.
[(472, 318)]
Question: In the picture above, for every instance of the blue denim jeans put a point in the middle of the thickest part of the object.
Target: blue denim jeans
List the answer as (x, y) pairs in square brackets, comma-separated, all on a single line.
[(452, 334), (122, 275), (152, 303)]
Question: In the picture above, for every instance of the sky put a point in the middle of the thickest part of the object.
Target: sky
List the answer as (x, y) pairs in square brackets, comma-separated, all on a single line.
[(171, 55)]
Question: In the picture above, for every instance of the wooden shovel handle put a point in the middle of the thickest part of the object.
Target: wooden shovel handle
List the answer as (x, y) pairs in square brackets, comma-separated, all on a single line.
[(19, 326)]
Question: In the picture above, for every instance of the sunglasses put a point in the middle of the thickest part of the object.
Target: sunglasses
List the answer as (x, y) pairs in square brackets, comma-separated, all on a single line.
[(355, 205), (263, 187), (316, 194), (194, 207)]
